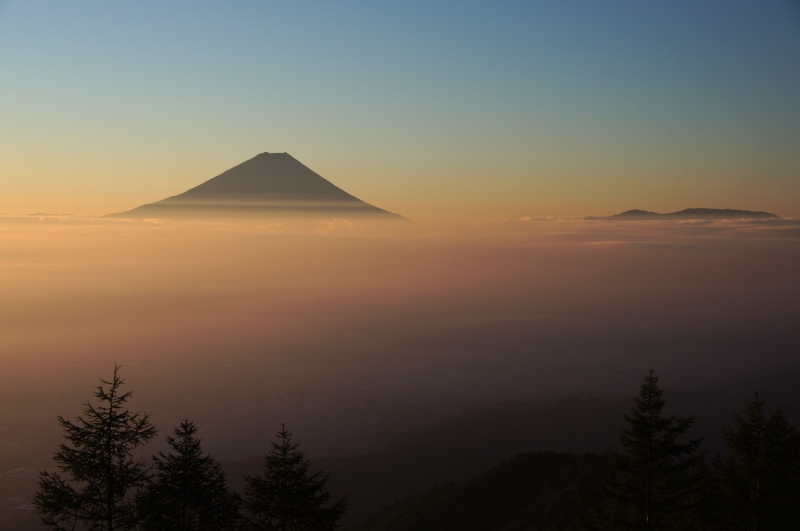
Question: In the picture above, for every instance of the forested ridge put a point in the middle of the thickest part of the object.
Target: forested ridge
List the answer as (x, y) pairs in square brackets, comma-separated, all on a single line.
[(542, 490), (661, 478)]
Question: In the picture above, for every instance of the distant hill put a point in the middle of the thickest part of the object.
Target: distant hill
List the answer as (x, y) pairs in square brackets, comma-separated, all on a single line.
[(268, 184), (529, 491), (476, 441), (690, 213)]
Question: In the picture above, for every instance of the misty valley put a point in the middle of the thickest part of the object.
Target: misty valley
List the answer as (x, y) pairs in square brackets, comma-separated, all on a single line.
[(399, 266), (427, 368)]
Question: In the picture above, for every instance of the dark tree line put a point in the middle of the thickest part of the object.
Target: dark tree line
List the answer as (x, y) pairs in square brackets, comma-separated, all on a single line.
[(662, 480), (101, 486)]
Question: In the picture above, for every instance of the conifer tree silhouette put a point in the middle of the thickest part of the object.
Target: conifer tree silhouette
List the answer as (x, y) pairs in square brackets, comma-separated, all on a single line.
[(657, 478), (286, 496), (189, 491), (98, 472), (759, 484)]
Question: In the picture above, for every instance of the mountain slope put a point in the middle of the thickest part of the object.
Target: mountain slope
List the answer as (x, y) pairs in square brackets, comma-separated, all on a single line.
[(473, 442), (270, 183), (529, 491)]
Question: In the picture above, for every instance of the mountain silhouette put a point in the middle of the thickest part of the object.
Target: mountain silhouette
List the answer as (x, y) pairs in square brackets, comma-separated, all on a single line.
[(691, 213), (472, 442), (542, 490), (267, 184)]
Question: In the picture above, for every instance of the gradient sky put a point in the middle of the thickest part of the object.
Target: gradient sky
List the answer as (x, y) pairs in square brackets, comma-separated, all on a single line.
[(429, 109)]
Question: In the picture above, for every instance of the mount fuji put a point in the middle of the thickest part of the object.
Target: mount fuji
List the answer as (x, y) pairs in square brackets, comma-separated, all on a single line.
[(269, 184)]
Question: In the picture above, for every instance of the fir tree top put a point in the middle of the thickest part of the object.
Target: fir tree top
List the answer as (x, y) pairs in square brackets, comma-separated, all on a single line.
[(97, 468), (286, 496)]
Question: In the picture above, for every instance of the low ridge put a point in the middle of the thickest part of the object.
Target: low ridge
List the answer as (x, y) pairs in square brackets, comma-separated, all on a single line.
[(691, 213), (267, 184), (542, 490)]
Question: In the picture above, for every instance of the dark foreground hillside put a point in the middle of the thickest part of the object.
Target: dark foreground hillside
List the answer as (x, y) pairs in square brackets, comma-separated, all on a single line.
[(472, 443), (531, 491), (469, 445)]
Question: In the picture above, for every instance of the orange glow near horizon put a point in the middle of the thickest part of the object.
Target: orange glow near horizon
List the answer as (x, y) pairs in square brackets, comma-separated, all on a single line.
[(479, 189), (240, 325), (73, 285)]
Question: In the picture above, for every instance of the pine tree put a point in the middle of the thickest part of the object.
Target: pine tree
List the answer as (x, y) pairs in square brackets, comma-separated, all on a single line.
[(98, 472), (286, 497), (189, 491), (759, 484), (656, 479)]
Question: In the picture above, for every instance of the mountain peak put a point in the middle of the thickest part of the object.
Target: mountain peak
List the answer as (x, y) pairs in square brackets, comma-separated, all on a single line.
[(267, 184)]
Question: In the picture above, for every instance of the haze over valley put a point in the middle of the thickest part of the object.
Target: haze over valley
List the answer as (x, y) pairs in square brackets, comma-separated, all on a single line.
[(399, 266), (360, 335)]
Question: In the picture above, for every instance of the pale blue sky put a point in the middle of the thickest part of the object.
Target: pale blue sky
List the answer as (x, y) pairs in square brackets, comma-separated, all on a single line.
[(426, 108)]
